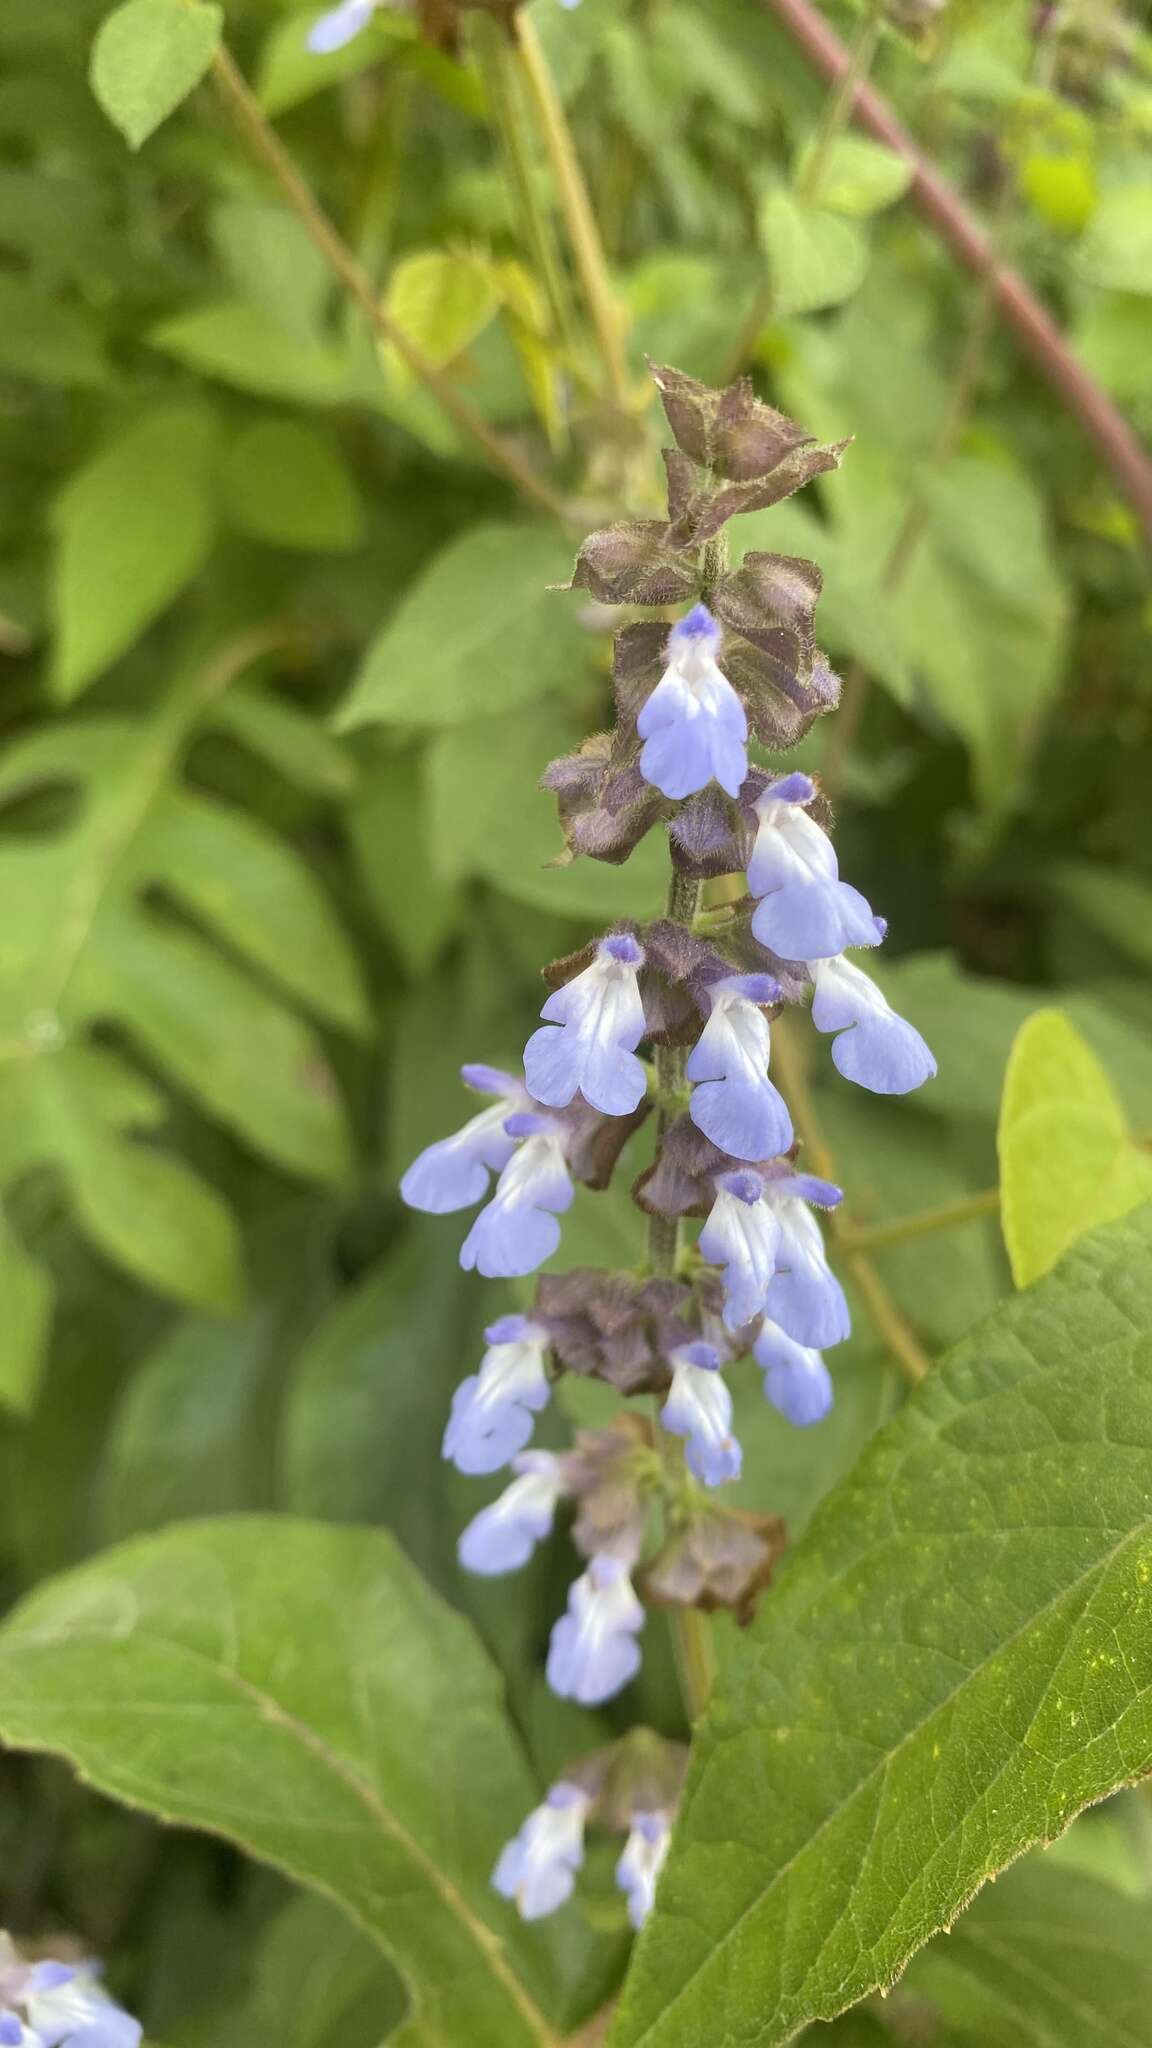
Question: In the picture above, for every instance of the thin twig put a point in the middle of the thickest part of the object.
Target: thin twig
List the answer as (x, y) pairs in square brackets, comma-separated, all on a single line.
[(902, 1229), (266, 144), (889, 1320), (1117, 444), (572, 192)]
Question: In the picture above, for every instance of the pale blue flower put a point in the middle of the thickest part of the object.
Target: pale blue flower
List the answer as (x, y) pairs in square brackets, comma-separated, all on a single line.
[(804, 1296), (644, 1857), (594, 1024), (49, 2004), (875, 1047), (734, 1103), (741, 1235), (340, 26), (806, 912), (537, 1868), (693, 724), (699, 1408), (518, 1230), (593, 1652), (503, 1536), (796, 1380), (492, 1410), (455, 1172)]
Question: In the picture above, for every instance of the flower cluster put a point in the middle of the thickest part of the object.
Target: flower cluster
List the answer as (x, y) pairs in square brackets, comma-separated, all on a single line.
[(58, 2005), (738, 670)]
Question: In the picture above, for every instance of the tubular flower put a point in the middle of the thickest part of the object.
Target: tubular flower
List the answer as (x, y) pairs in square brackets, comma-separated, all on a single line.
[(805, 1297), (693, 725), (492, 1410), (455, 1172), (593, 1652), (588, 1043), (537, 1868), (874, 1046), (644, 1857), (805, 911), (733, 1102), (517, 1230), (58, 2005), (796, 1380), (742, 1235), (503, 1536), (699, 1408)]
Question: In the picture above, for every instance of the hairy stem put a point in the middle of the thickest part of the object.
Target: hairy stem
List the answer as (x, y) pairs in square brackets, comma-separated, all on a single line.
[(572, 192), (691, 1640), (889, 1321), (267, 146)]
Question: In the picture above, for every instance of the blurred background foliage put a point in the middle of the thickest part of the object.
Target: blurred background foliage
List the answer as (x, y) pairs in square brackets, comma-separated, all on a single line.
[(281, 669)]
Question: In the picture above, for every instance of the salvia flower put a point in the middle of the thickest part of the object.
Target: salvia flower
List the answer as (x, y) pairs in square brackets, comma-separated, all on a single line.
[(804, 1296), (593, 1651), (517, 1230), (742, 1234), (537, 1868), (796, 1380), (733, 1102), (50, 2004), (455, 1172), (340, 25), (874, 1046), (805, 911), (503, 1536), (693, 725), (699, 1408), (492, 1410), (644, 1857), (588, 1043)]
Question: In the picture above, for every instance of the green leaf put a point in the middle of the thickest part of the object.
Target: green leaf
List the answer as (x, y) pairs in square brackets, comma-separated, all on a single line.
[(156, 1218), (48, 340), (487, 818), (859, 177), (317, 1982), (242, 345), (441, 300), (288, 484), (478, 632), (299, 1690), (148, 56), (288, 740), (956, 1659), (1043, 1959), (88, 949), (26, 1291), (815, 259), (1117, 904), (388, 825), (1067, 1160), (1117, 249), (133, 527)]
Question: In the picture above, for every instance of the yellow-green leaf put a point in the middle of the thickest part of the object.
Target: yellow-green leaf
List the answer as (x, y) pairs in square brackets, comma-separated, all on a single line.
[(147, 58), (441, 300), (1067, 1159)]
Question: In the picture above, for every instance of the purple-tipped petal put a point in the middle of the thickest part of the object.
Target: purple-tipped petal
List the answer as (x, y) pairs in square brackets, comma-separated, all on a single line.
[(492, 1410), (699, 1408), (643, 1858), (693, 725), (742, 1236), (806, 911), (518, 1231), (537, 1868), (733, 1102), (455, 1172), (593, 1025), (502, 1537)]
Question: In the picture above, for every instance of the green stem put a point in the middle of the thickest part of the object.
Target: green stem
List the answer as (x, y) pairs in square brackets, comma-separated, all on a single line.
[(266, 144), (691, 1640), (839, 104), (902, 1229), (576, 206), (503, 85)]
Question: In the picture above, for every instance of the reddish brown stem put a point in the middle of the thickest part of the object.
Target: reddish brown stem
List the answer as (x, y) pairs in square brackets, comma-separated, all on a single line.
[(939, 202)]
